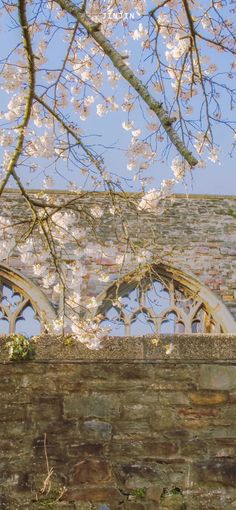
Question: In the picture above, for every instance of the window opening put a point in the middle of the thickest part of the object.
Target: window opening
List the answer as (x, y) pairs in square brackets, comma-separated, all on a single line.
[(17, 314), (155, 303)]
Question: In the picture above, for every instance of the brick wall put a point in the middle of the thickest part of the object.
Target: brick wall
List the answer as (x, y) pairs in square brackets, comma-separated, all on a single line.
[(196, 235), (133, 426)]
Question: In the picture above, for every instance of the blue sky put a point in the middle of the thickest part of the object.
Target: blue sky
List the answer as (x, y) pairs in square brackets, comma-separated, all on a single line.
[(107, 131)]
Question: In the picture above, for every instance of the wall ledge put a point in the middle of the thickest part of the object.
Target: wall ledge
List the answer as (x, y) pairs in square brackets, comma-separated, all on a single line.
[(147, 348)]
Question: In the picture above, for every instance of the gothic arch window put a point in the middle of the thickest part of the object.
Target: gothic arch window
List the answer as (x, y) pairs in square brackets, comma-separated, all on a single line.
[(23, 307), (162, 300)]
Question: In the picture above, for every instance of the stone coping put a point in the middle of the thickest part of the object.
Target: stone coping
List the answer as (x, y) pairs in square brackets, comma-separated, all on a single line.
[(174, 348), (212, 196)]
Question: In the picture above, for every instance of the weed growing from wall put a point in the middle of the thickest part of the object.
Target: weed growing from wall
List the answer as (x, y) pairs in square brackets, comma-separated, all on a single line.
[(20, 348)]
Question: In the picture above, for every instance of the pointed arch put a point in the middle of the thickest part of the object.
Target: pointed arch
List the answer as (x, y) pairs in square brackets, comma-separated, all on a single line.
[(22, 300), (165, 300)]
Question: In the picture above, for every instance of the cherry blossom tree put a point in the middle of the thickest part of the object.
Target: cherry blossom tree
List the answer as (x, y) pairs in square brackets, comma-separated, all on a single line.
[(163, 72)]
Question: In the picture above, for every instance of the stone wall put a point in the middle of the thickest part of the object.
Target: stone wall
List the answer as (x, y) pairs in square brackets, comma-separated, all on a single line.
[(136, 425), (195, 234)]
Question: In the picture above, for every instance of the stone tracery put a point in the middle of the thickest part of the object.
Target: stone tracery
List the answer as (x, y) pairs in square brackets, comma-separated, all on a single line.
[(158, 301), (17, 314), (24, 308)]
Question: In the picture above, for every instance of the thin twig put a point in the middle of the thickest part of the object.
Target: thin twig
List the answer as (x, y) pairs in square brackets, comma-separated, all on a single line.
[(29, 99), (116, 58)]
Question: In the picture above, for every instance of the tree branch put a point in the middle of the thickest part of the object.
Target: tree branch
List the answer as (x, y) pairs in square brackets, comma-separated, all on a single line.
[(29, 99), (70, 130), (116, 58)]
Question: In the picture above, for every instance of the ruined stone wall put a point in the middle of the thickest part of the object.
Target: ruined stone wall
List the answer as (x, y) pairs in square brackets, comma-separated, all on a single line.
[(196, 235), (132, 426)]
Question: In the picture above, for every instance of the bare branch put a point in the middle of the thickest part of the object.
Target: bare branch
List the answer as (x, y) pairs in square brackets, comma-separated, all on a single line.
[(71, 131), (29, 99), (116, 58)]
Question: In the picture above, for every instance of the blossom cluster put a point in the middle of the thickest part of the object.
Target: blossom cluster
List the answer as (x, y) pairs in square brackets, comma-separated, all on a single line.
[(71, 249), (88, 84)]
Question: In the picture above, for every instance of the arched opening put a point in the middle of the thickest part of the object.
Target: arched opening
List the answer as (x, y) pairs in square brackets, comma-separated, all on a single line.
[(24, 308), (164, 300)]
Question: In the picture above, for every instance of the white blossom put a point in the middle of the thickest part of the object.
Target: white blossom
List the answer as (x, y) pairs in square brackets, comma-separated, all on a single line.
[(214, 156), (74, 299), (64, 219), (92, 304), (140, 32), (136, 133), (6, 248), (113, 77), (39, 269), (150, 200), (178, 168), (96, 211), (127, 125), (169, 348), (6, 138), (49, 279), (48, 182), (104, 277), (101, 110)]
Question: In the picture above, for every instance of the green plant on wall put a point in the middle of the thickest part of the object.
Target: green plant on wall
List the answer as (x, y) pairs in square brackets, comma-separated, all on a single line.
[(139, 493), (232, 213), (46, 503), (173, 499), (52, 496), (171, 491), (20, 348)]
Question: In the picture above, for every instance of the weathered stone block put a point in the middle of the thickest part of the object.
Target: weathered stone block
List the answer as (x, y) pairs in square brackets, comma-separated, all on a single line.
[(97, 429), (154, 493), (12, 412), (217, 377), (194, 448), (107, 495), (143, 449), (136, 411), (170, 398), (133, 429), (84, 450), (208, 397), (225, 447), (142, 474), (137, 397), (82, 506), (93, 471), (94, 405), (164, 421), (134, 505), (175, 502), (49, 410), (221, 471)]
